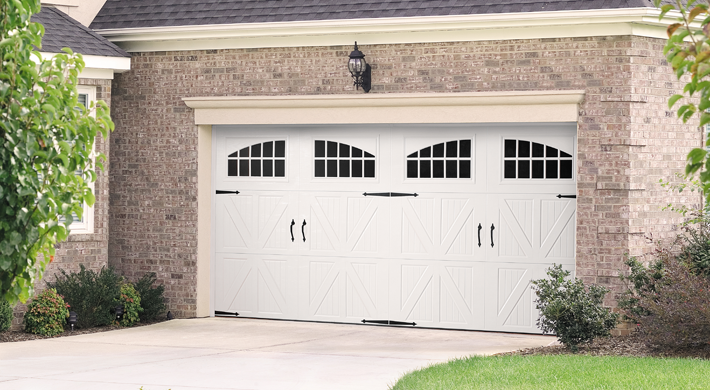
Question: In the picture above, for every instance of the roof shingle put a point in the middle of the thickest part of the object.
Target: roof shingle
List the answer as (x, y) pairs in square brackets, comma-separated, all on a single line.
[(117, 14), (60, 31)]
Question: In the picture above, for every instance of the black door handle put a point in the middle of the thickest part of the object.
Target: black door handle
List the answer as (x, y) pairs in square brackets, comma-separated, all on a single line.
[(291, 227), (492, 229), (303, 230), (479, 234)]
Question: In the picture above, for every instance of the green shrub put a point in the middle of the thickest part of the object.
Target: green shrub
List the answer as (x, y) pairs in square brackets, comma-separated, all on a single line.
[(91, 295), (695, 246), (571, 311), (46, 314), (152, 299), (131, 301), (640, 282), (677, 311), (5, 315)]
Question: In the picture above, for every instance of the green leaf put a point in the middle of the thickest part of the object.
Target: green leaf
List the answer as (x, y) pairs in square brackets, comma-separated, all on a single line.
[(704, 119), (665, 9), (89, 198), (697, 155), (49, 108), (673, 99)]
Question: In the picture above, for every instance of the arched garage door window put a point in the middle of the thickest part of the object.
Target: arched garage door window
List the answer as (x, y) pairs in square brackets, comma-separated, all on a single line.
[(266, 159), (450, 160), (336, 159), (532, 160)]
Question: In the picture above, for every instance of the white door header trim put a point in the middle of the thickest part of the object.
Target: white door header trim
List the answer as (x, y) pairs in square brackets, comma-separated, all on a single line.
[(470, 107)]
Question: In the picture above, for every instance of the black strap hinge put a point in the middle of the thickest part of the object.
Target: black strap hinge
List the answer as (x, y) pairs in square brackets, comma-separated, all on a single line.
[(567, 196), (220, 192), (226, 313), (388, 322), (389, 194)]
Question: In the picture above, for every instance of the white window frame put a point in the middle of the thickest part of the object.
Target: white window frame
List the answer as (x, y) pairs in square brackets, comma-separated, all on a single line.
[(86, 224)]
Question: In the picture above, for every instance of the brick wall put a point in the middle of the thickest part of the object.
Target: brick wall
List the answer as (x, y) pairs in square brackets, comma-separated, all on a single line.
[(628, 139), (88, 249)]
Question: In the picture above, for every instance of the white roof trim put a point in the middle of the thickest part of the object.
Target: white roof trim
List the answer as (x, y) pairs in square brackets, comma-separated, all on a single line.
[(101, 67), (119, 64), (470, 107), (523, 25)]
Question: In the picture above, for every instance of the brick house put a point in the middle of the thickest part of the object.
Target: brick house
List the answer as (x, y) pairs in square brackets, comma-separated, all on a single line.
[(249, 173)]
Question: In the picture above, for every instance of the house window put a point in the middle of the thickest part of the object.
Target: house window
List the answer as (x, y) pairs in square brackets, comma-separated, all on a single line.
[(450, 160), (532, 160), (266, 159), (85, 225), (335, 159)]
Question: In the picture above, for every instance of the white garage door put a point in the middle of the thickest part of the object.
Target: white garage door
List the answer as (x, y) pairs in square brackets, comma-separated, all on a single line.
[(439, 225)]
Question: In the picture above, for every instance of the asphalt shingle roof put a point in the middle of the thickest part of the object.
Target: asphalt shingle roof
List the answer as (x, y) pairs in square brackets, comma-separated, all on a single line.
[(117, 14), (61, 31)]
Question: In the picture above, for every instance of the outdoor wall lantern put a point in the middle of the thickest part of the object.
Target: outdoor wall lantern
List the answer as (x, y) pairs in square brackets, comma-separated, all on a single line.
[(360, 70), (119, 312), (72, 319)]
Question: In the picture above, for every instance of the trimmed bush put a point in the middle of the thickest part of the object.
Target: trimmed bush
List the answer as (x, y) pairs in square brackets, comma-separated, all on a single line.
[(574, 313), (5, 315), (91, 295), (46, 314), (152, 299), (131, 302)]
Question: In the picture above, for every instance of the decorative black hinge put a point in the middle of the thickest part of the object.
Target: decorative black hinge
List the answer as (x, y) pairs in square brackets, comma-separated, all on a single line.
[(388, 322), (225, 313), (389, 194), (567, 196), (220, 192)]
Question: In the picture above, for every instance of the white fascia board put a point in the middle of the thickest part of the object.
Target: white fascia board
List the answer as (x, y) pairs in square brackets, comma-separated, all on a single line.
[(118, 64), (99, 67), (524, 25), (468, 107)]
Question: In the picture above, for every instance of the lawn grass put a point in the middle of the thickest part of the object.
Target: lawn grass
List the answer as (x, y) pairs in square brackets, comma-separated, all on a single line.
[(560, 372)]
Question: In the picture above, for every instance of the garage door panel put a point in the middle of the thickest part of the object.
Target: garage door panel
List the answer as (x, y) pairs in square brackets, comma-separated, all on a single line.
[(232, 232), (253, 221), (437, 294), (558, 228), (444, 225), (233, 285), (345, 223), (537, 159), (509, 298), (352, 158), (255, 286), (345, 290), (450, 156), (531, 228)]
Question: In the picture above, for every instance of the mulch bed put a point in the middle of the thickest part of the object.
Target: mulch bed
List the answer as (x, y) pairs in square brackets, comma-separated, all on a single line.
[(632, 345), (16, 335)]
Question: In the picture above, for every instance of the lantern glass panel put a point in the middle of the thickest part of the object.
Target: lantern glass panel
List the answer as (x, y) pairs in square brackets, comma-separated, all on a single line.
[(356, 65)]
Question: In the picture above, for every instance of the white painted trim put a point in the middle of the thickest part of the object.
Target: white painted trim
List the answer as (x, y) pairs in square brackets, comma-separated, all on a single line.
[(205, 273), (96, 63), (93, 73), (119, 64), (524, 25), (473, 107)]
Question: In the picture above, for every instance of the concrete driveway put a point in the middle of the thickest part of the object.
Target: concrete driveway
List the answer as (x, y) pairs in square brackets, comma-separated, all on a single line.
[(225, 353)]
